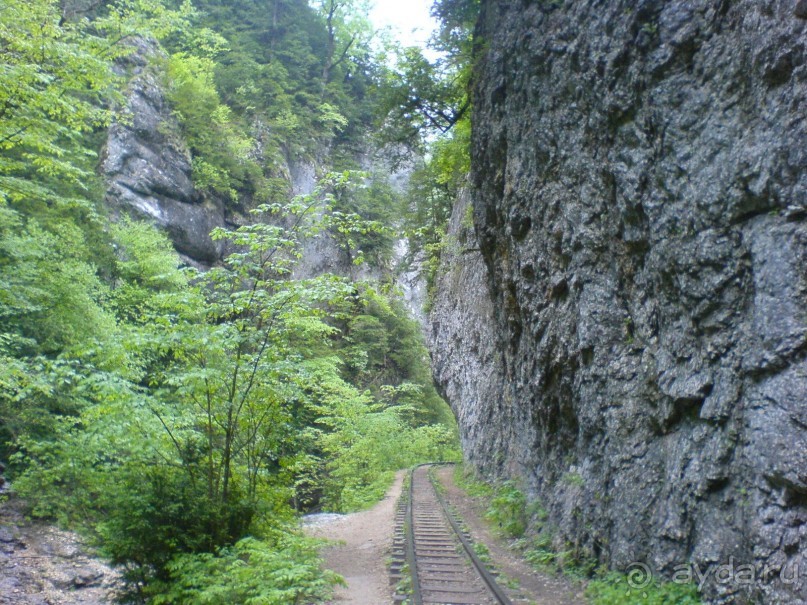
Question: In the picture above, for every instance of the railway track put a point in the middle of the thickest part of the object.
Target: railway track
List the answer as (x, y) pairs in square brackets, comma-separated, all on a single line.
[(442, 566)]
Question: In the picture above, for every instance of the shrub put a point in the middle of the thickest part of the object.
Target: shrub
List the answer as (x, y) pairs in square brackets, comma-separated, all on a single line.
[(282, 570), (508, 510)]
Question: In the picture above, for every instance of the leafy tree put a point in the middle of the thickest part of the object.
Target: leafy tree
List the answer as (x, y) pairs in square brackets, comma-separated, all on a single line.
[(358, 216), (228, 395), (222, 152), (297, 74), (422, 96), (57, 85), (176, 415), (345, 28), (457, 20), (364, 442), (429, 200), (425, 107), (56, 76)]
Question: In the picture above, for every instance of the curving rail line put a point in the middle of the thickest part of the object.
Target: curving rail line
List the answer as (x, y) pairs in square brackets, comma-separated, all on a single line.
[(443, 566)]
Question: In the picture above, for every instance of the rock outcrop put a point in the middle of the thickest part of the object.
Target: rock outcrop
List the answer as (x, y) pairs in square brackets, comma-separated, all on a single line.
[(466, 361), (147, 167), (41, 564), (634, 345)]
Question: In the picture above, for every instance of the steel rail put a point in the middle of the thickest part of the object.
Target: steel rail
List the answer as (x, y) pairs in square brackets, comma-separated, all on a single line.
[(488, 581), (417, 597)]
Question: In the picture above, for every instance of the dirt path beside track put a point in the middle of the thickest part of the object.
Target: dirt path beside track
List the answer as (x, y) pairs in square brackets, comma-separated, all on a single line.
[(360, 556)]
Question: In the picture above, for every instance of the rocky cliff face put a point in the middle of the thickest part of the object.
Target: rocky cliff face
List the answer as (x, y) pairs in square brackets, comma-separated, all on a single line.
[(147, 167), (634, 345), (467, 362)]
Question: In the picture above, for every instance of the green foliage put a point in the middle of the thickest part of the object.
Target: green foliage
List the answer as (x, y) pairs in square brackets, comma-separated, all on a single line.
[(614, 589), (156, 512), (384, 352), (52, 85), (365, 441), (573, 479), (146, 273), (180, 418), (483, 552), (433, 189), (538, 550), (508, 510), (298, 76), (540, 553), (424, 105), (52, 315), (421, 97), (227, 400), (361, 216), (466, 478), (222, 151), (283, 569), (457, 19), (56, 86), (49, 298)]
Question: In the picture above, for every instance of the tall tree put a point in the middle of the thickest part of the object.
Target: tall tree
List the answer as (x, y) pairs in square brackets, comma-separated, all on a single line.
[(347, 30), (426, 97)]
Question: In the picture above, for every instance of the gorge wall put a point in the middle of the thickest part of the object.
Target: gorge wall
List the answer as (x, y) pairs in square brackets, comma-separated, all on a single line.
[(147, 165), (624, 328)]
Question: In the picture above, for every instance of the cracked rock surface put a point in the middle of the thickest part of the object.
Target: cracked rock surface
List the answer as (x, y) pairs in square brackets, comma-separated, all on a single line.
[(624, 328), (43, 565), (147, 166)]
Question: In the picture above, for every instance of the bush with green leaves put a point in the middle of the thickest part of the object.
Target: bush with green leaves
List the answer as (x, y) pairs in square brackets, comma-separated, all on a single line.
[(507, 506), (282, 569), (508, 510), (56, 90)]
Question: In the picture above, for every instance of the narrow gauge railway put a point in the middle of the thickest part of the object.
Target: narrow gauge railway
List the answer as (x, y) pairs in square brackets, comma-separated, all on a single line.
[(443, 567)]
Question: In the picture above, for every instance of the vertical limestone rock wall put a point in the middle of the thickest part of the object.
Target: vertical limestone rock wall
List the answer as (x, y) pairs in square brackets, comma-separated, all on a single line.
[(147, 166), (467, 361), (633, 346)]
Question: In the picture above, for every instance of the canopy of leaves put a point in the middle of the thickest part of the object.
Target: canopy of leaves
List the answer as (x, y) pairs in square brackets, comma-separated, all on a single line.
[(56, 85), (183, 418), (231, 396), (297, 75), (425, 97)]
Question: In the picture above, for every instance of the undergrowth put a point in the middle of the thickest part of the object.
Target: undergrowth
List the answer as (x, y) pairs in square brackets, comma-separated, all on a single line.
[(527, 523), (508, 508), (285, 568), (613, 589)]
